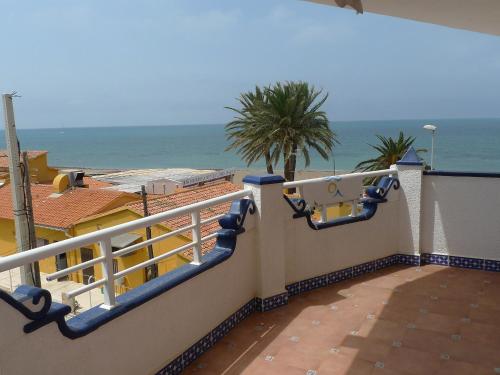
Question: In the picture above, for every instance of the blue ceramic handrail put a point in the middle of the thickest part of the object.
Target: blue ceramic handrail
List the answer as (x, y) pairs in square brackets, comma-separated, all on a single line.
[(376, 194)]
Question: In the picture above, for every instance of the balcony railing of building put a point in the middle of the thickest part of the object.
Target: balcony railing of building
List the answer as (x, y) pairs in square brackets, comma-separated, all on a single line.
[(103, 238)]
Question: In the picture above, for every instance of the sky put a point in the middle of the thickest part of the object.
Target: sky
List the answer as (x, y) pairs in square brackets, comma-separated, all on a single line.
[(166, 62)]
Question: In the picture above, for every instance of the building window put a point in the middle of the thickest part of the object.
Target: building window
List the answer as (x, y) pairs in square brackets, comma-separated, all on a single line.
[(61, 264), (41, 242)]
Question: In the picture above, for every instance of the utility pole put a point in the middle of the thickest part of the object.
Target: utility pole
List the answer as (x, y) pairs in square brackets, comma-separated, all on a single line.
[(31, 219), (153, 269), (17, 185)]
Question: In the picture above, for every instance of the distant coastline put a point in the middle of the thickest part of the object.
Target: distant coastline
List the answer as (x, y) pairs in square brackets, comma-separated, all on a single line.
[(461, 144)]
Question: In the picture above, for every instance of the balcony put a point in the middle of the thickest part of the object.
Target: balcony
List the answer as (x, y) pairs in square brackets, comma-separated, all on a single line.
[(404, 284)]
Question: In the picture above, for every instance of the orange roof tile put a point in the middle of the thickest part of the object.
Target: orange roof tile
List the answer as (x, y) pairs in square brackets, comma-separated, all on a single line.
[(4, 159), (63, 210), (190, 196), (95, 184)]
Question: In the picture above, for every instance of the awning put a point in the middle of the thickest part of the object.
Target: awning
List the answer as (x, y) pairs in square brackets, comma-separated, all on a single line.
[(123, 240), (475, 15)]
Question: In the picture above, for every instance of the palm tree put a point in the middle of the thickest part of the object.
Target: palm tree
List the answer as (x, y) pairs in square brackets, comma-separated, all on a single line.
[(247, 131), (281, 122), (390, 151)]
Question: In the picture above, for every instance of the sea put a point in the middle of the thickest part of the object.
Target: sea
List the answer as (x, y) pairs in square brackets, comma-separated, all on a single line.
[(460, 145)]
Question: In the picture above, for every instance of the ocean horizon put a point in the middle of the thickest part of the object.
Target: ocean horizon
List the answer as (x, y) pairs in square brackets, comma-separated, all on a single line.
[(461, 144)]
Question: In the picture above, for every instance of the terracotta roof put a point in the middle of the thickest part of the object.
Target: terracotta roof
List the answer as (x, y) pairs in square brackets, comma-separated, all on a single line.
[(95, 184), (4, 159), (186, 197), (63, 210)]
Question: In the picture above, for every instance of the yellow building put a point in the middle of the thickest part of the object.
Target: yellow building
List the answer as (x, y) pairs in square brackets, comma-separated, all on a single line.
[(134, 210), (79, 211), (40, 172), (55, 216)]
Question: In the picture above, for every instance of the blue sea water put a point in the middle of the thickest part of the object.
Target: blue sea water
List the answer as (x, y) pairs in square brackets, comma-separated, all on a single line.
[(461, 144)]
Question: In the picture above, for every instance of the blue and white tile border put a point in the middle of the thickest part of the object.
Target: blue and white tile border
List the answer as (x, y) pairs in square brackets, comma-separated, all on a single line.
[(461, 262), (266, 304), (270, 303)]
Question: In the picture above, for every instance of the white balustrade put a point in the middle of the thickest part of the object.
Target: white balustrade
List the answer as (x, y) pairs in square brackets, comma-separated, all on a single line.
[(103, 238)]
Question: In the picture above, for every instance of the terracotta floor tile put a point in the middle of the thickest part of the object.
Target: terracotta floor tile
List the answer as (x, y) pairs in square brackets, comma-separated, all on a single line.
[(472, 352), (400, 320), (486, 334), (446, 306), (427, 341), (368, 349), (462, 368), (383, 330), (438, 322), (345, 365), (486, 315), (300, 358), (399, 314), (269, 368), (412, 361)]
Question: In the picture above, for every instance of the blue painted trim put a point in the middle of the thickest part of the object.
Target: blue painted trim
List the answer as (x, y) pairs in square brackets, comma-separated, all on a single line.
[(462, 174), (90, 320), (49, 311), (410, 158), (235, 218), (264, 179), (370, 205)]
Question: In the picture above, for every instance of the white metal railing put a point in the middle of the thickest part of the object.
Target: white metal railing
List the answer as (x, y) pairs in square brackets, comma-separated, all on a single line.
[(323, 209), (382, 172), (103, 238)]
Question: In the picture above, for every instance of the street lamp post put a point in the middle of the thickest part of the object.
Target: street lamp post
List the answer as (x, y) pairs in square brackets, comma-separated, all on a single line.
[(432, 129)]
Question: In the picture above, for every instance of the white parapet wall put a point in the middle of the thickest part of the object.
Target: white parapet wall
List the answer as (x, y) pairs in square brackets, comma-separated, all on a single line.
[(419, 213), (461, 216), (143, 340), (311, 253)]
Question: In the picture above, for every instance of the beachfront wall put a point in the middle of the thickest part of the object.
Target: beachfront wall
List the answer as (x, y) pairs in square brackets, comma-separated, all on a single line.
[(461, 215)]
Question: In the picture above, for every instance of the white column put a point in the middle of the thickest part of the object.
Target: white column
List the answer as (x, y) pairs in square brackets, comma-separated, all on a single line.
[(410, 177), (270, 245)]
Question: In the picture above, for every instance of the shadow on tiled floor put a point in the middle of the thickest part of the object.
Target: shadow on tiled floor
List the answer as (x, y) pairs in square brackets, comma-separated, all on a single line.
[(401, 320)]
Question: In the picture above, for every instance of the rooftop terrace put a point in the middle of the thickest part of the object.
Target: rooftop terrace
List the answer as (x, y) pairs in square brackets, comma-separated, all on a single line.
[(400, 320), (405, 284)]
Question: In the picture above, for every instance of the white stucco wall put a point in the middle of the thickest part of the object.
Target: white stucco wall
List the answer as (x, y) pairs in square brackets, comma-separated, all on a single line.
[(312, 253), (410, 177), (460, 216), (143, 340)]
